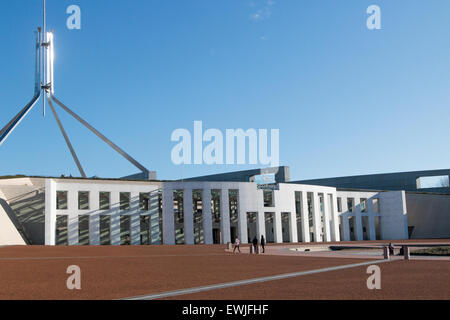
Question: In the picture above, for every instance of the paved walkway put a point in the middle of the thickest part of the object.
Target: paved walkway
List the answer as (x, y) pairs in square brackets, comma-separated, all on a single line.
[(355, 251)]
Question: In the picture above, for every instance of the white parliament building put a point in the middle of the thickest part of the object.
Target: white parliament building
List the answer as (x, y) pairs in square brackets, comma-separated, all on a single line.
[(71, 211)]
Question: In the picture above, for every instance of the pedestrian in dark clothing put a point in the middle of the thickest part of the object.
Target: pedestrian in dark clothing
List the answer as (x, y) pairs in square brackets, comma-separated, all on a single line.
[(391, 249), (255, 244), (263, 244)]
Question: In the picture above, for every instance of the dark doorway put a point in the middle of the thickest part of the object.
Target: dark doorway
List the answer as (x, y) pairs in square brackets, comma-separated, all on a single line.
[(216, 236), (233, 233)]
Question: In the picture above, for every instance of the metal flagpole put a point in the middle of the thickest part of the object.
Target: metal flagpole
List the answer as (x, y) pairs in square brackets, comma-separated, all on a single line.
[(69, 144), (101, 136)]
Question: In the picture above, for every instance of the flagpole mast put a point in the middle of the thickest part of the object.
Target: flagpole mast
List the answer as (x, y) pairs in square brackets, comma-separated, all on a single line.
[(44, 55)]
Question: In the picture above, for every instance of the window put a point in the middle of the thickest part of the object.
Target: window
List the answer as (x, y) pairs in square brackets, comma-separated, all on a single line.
[(433, 182), (61, 200), (233, 205), (83, 200), (144, 201), (363, 203), (350, 204), (376, 205), (215, 205), (298, 203), (104, 201), (197, 201), (125, 198), (339, 204), (268, 199), (178, 206)]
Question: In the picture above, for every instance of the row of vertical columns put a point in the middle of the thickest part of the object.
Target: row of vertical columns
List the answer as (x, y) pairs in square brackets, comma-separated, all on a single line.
[(168, 216), (73, 217), (357, 214)]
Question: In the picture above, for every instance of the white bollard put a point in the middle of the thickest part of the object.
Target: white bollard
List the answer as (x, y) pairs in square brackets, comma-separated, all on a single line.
[(406, 254)]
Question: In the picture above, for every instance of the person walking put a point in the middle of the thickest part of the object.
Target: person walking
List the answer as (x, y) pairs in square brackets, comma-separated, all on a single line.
[(391, 249), (237, 243), (263, 244), (255, 245)]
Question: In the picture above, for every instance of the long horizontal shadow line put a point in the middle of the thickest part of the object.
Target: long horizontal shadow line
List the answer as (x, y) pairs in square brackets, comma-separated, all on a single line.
[(250, 281)]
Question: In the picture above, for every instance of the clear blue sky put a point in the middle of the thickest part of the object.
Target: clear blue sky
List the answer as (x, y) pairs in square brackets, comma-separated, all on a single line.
[(347, 100)]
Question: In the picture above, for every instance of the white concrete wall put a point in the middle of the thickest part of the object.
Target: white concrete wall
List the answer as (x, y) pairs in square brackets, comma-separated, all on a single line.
[(9, 236), (394, 219), (94, 187), (250, 199), (429, 214), (392, 213)]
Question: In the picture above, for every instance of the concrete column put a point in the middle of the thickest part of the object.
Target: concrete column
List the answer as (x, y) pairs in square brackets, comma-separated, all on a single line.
[(50, 212), (293, 235), (168, 217), (94, 219), (345, 223), (335, 232), (225, 216), (154, 218), (188, 216), (135, 228), (359, 228), (372, 231), (135, 219), (371, 213), (72, 227), (260, 225), (94, 229), (242, 220), (277, 228), (326, 217), (305, 218), (207, 216), (316, 218), (115, 219)]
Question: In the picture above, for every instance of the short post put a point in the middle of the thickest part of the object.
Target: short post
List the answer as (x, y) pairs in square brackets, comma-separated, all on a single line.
[(406, 254), (251, 249), (228, 245), (386, 252)]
